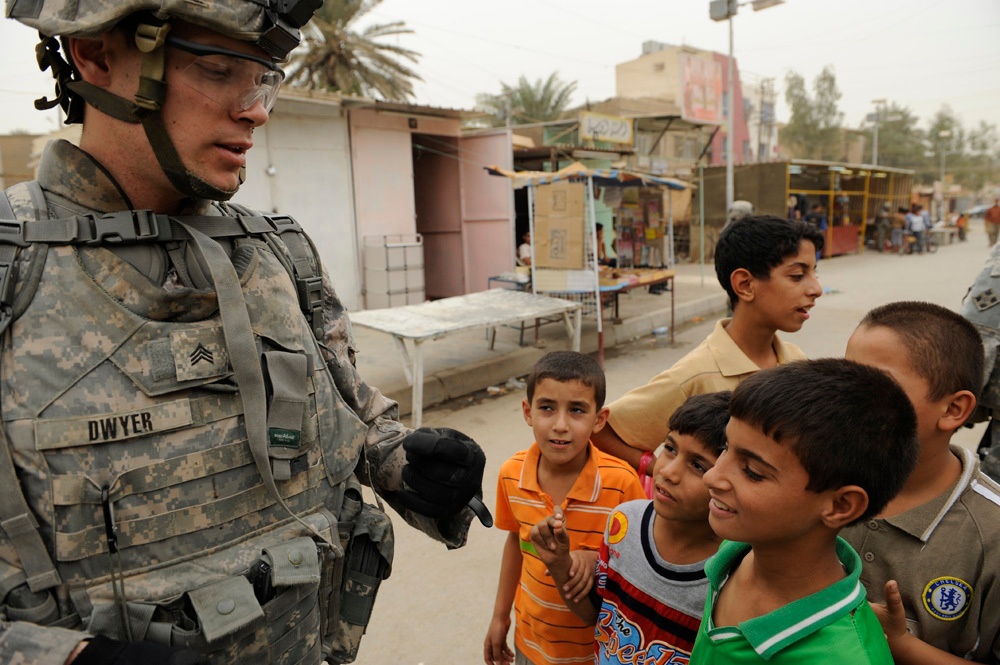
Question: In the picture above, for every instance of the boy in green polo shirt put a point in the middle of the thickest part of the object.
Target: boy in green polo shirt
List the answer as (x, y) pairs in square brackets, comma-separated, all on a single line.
[(812, 447)]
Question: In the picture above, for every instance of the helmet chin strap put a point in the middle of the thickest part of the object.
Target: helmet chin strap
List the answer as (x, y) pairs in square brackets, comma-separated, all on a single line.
[(147, 109)]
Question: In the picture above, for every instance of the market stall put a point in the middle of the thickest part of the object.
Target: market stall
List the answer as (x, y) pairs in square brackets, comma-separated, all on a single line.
[(564, 246), (848, 195)]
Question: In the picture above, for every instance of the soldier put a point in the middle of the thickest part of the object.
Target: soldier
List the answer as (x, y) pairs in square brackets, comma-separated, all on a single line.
[(981, 306), (184, 433)]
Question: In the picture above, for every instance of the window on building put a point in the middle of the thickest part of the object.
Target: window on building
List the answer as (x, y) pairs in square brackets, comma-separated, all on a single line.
[(747, 155)]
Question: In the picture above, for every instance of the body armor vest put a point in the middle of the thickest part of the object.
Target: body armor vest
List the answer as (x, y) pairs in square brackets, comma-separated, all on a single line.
[(127, 433)]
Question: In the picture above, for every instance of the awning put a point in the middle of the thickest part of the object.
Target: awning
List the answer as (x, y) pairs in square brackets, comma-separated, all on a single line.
[(576, 170)]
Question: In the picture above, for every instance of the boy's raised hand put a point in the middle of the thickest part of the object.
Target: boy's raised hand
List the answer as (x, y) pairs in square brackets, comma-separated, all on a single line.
[(891, 616), (550, 538), (581, 575)]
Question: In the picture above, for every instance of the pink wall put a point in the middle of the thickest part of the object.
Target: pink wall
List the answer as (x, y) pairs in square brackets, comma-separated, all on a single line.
[(487, 208), (741, 133)]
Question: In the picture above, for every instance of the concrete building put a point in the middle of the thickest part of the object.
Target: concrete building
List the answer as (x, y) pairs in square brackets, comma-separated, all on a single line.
[(15, 159), (693, 81)]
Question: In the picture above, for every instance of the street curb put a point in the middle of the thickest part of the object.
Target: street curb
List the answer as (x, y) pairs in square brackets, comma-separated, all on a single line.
[(460, 381)]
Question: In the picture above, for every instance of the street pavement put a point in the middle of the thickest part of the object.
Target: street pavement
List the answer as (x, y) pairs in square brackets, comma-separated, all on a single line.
[(436, 606)]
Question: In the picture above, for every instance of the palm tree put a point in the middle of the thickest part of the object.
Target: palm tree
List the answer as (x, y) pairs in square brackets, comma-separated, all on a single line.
[(527, 102), (334, 57)]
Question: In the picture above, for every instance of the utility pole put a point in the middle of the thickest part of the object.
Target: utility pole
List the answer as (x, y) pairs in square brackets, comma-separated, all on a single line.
[(725, 10)]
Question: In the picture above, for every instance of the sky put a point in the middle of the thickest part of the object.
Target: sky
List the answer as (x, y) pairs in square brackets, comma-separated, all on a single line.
[(919, 54)]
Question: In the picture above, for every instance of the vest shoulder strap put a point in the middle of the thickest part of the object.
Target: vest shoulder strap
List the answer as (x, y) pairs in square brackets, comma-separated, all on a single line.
[(16, 519), (302, 263)]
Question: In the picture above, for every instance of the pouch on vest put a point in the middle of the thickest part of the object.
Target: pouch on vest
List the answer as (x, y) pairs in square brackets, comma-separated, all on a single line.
[(367, 562), (287, 375)]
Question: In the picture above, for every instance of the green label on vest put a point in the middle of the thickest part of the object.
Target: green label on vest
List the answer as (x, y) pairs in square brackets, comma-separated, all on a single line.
[(284, 438)]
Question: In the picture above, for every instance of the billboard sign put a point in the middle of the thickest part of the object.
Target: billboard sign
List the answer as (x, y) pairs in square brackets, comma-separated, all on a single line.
[(701, 79), (601, 127)]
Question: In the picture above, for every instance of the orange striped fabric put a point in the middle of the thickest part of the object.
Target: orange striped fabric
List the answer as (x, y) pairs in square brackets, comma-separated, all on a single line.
[(546, 631)]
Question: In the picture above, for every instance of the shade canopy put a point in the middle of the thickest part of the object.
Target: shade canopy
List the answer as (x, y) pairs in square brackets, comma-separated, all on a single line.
[(576, 170)]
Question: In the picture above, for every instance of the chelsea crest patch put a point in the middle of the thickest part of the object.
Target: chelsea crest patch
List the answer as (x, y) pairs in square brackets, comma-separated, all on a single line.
[(947, 598)]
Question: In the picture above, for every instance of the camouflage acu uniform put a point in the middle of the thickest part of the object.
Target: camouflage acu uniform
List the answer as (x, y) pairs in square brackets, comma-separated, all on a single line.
[(125, 422), (982, 307)]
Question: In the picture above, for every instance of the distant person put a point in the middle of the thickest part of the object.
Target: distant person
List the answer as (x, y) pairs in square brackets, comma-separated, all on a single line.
[(738, 210), (915, 226), (564, 408), (932, 554), (651, 583), (817, 218), (767, 265), (524, 250), (605, 258), (883, 223), (992, 219), (962, 224), (793, 208), (898, 234), (784, 588)]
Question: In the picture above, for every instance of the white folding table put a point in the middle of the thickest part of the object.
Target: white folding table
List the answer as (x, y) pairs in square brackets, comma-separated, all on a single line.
[(438, 318)]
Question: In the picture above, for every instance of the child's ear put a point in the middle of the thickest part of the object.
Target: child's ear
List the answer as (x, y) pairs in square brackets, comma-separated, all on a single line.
[(526, 410), (742, 282), (602, 417), (959, 407), (847, 504)]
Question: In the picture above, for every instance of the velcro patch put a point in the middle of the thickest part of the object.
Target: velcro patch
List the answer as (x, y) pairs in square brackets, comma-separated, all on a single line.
[(986, 299)]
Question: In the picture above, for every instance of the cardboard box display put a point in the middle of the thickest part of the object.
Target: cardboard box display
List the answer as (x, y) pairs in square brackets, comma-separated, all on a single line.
[(559, 243), (559, 226), (560, 199)]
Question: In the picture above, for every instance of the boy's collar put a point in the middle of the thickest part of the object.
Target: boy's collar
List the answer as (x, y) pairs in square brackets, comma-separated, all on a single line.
[(785, 626), (921, 521), (587, 486)]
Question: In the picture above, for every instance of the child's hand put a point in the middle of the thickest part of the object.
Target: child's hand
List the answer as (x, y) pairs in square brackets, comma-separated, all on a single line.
[(495, 649), (891, 616), (581, 575), (550, 538)]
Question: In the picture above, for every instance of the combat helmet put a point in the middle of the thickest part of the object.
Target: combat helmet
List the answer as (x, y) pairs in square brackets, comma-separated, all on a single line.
[(272, 25)]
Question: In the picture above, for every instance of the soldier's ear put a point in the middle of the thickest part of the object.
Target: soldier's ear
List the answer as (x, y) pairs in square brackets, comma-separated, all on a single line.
[(90, 58)]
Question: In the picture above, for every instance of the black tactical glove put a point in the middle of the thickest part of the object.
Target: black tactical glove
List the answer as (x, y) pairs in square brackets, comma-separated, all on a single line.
[(104, 651), (443, 472)]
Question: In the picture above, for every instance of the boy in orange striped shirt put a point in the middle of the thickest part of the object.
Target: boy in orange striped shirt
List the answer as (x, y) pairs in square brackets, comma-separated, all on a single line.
[(564, 407)]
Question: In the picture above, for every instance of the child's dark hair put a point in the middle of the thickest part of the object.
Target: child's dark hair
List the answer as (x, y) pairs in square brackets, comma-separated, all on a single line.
[(759, 243), (704, 417), (566, 366), (848, 423), (943, 348)]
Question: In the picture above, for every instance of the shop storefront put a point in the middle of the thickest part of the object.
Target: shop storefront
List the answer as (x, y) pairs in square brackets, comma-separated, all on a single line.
[(848, 196)]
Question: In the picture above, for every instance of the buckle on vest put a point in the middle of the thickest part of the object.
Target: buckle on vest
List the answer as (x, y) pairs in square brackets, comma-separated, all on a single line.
[(122, 227), (283, 223), (11, 233)]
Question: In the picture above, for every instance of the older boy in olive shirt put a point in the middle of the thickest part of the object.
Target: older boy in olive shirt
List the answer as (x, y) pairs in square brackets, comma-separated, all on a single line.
[(767, 265)]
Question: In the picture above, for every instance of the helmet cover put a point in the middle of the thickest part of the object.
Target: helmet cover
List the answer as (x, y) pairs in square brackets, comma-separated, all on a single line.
[(272, 24)]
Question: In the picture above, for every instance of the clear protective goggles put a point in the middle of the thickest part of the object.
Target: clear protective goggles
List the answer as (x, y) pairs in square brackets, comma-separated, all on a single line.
[(230, 77)]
